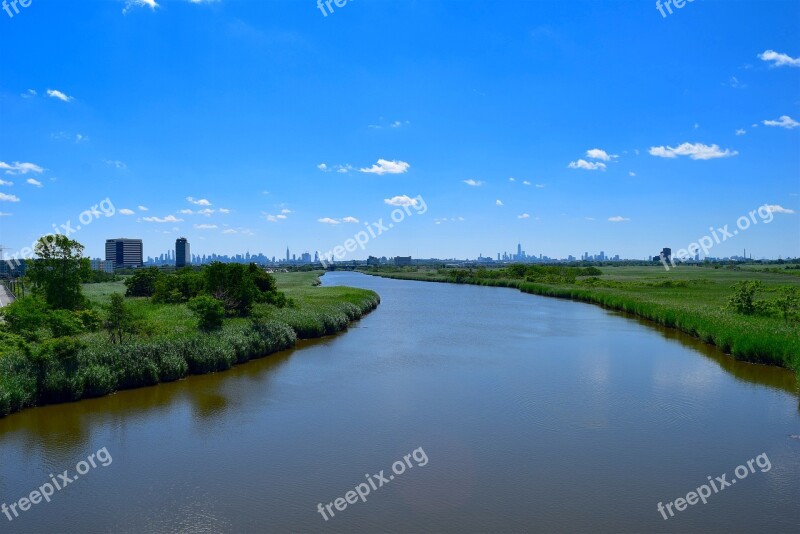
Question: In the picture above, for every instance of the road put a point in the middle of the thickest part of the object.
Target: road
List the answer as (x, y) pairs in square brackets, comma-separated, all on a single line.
[(5, 296)]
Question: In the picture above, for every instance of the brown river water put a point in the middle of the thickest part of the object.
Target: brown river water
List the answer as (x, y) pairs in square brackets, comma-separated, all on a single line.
[(448, 409)]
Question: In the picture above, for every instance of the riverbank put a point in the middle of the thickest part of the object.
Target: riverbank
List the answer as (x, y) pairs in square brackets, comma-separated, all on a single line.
[(690, 299), (169, 347)]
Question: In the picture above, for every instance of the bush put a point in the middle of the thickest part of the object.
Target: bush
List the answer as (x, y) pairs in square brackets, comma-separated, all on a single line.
[(209, 311), (119, 321), (63, 323), (26, 316), (143, 282)]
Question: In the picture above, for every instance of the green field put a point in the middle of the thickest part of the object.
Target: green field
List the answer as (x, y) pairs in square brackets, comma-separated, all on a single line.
[(690, 299), (167, 344)]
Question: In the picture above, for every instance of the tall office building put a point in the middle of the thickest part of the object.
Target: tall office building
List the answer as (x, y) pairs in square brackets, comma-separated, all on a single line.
[(183, 256), (124, 253)]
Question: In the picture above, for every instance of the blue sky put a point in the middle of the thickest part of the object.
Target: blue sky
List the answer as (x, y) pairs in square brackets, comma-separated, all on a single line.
[(624, 130)]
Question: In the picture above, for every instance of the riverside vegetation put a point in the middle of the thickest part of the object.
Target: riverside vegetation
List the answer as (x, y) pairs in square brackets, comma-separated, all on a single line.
[(750, 314), (68, 339)]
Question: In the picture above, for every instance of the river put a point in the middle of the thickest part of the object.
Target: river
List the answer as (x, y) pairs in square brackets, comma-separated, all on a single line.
[(527, 414)]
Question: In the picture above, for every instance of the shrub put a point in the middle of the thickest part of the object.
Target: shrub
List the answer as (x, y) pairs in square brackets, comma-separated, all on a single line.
[(143, 282), (64, 323), (742, 301), (26, 316), (209, 311), (119, 322)]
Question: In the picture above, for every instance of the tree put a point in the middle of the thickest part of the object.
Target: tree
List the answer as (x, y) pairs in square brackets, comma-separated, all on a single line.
[(743, 300), (209, 311), (58, 271), (788, 302), (143, 282), (119, 321), (231, 284), (26, 316)]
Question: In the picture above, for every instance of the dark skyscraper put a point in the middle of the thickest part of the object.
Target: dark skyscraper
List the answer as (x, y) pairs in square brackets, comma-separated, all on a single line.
[(124, 253), (183, 256)]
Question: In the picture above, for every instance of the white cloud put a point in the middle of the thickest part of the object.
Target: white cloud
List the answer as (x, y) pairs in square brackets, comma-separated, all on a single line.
[(4, 214), (524, 216), (526, 182), (54, 93), (130, 4), (186, 212), (20, 168), (631, 173), (473, 183), (167, 219), (205, 227), (206, 212), (589, 218), (117, 164), (774, 208), (741, 131), (540, 186), (198, 202), (401, 201), (735, 83), (328, 220), (498, 202), (778, 59), (224, 211), (387, 167), (323, 167), (618, 219), (589, 166), (344, 169), (697, 151), (597, 153), (33, 182), (276, 218), (8, 198), (3, 182), (143, 208), (784, 121), (30, 93), (510, 179), (126, 211), (350, 220)]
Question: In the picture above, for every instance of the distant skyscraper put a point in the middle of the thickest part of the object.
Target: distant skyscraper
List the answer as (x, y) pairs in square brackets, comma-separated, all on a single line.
[(183, 256), (124, 253), (519, 251), (287, 254)]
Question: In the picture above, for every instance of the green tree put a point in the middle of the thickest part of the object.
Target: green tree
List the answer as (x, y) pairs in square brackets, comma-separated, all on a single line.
[(119, 321), (58, 271), (743, 300), (232, 285), (788, 302), (143, 282), (209, 311), (25, 317)]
